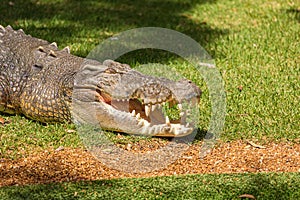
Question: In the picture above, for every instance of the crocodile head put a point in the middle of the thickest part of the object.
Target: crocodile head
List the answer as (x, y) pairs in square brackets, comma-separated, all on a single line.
[(125, 100)]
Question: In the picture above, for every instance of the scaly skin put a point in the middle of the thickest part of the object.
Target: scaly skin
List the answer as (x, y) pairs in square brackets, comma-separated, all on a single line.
[(50, 85)]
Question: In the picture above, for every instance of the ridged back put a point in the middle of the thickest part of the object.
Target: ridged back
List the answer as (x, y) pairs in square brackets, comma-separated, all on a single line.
[(35, 76)]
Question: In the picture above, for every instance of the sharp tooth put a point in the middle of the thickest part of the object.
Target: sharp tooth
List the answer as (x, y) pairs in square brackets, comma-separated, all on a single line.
[(146, 123), (180, 106), (141, 123), (133, 113), (147, 109), (187, 125), (153, 107), (167, 120), (138, 116)]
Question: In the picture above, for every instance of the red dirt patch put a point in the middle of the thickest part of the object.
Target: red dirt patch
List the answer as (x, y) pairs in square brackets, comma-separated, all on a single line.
[(78, 164)]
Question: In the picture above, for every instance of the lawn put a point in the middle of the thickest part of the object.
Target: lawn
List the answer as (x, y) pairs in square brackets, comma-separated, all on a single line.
[(222, 186), (256, 47)]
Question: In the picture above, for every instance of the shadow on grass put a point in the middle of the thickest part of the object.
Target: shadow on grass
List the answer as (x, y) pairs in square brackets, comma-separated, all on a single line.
[(67, 18), (194, 138), (269, 186), (295, 12), (205, 186)]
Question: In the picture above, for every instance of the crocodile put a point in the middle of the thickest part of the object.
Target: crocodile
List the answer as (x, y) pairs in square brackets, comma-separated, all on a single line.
[(39, 80)]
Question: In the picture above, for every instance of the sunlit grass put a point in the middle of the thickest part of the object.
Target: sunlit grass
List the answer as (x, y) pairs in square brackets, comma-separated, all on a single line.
[(256, 49)]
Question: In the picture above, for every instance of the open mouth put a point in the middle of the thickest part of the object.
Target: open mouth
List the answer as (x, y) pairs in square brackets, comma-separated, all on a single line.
[(165, 112)]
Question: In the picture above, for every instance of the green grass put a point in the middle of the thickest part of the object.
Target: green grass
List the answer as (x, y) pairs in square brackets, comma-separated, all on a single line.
[(262, 186), (22, 136), (256, 46)]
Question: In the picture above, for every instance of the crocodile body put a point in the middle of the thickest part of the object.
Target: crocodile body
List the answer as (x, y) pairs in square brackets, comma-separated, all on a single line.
[(37, 80)]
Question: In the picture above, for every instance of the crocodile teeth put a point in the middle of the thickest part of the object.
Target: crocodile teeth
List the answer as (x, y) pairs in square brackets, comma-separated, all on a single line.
[(141, 123), (138, 116), (133, 113), (147, 110), (168, 120), (180, 106), (154, 107), (146, 123)]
